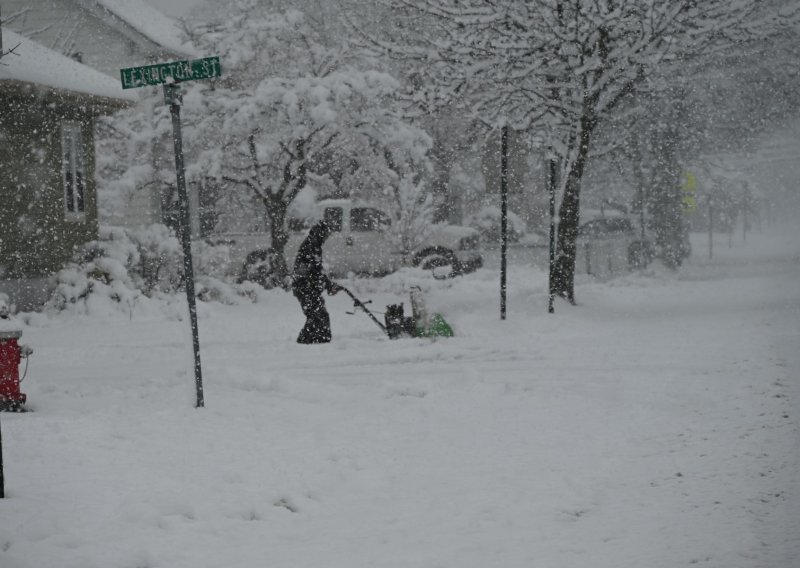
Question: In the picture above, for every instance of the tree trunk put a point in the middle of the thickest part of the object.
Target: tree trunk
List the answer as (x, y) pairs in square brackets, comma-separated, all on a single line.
[(566, 253), (294, 180), (563, 281), (276, 210)]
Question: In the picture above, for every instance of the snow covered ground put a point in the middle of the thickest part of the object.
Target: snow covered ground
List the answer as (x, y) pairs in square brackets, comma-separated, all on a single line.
[(655, 425)]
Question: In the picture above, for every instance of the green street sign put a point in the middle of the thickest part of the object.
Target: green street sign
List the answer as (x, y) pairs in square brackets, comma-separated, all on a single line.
[(174, 72)]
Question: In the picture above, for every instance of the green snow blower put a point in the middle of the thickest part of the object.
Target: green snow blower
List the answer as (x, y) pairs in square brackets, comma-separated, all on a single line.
[(397, 324)]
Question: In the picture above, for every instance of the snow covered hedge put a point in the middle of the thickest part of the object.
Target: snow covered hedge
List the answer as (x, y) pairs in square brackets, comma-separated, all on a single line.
[(125, 268), (121, 266)]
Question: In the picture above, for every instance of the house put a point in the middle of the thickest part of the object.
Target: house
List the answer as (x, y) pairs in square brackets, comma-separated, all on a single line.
[(107, 35), (48, 198)]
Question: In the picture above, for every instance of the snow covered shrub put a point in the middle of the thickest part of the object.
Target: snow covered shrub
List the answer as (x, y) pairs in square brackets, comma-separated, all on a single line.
[(487, 222), (209, 289), (99, 273), (160, 259), (211, 260), (119, 268), (127, 267)]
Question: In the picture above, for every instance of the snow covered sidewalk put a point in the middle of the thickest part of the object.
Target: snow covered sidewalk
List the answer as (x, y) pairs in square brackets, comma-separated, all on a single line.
[(654, 425)]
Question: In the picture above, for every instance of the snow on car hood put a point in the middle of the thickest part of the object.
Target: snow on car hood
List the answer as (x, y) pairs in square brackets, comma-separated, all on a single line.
[(451, 235)]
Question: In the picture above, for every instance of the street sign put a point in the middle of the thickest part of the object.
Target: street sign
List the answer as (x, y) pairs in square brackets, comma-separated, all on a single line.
[(173, 72), (169, 75)]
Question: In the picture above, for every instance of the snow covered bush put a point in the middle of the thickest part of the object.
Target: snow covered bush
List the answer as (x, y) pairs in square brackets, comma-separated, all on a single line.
[(210, 289), (160, 260), (98, 274), (213, 260), (127, 268), (119, 268)]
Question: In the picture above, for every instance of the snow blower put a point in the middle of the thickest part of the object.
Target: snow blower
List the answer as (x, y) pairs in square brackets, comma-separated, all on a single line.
[(397, 324), (363, 307)]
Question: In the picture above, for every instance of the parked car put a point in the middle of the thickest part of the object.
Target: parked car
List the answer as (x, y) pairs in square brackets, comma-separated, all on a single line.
[(359, 244), (607, 227)]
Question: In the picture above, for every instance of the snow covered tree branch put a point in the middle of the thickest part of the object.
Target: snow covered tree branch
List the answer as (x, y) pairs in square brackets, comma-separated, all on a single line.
[(563, 67), (296, 110)]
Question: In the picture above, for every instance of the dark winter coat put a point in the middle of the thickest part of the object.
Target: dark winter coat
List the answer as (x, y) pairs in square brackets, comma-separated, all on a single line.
[(309, 276)]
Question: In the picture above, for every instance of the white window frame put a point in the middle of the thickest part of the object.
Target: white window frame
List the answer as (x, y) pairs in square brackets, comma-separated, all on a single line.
[(73, 171)]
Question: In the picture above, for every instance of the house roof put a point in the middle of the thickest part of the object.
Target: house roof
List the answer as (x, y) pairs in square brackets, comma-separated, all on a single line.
[(35, 64), (149, 22)]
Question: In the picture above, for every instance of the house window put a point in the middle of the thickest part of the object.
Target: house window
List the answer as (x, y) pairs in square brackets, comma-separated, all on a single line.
[(72, 167)]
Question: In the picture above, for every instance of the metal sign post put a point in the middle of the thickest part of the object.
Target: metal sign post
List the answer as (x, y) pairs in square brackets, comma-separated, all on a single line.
[(552, 167), (503, 218), (172, 96), (169, 75)]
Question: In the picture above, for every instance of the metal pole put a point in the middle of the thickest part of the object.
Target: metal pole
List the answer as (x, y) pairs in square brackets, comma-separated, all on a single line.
[(503, 217), (745, 203), (172, 96), (551, 187)]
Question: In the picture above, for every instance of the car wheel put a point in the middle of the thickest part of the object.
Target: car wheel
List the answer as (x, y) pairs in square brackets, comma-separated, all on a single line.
[(441, 262)]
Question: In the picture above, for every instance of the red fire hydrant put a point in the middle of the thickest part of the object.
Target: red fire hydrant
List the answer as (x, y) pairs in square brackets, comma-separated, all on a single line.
[(11, 354)]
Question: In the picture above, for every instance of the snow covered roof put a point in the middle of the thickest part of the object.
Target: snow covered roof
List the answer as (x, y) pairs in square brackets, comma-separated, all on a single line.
[(35, 64), (148, 21)]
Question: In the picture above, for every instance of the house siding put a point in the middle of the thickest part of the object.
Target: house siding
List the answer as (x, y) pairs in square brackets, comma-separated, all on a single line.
[(36, 237), (68, 27), (106, 44)]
